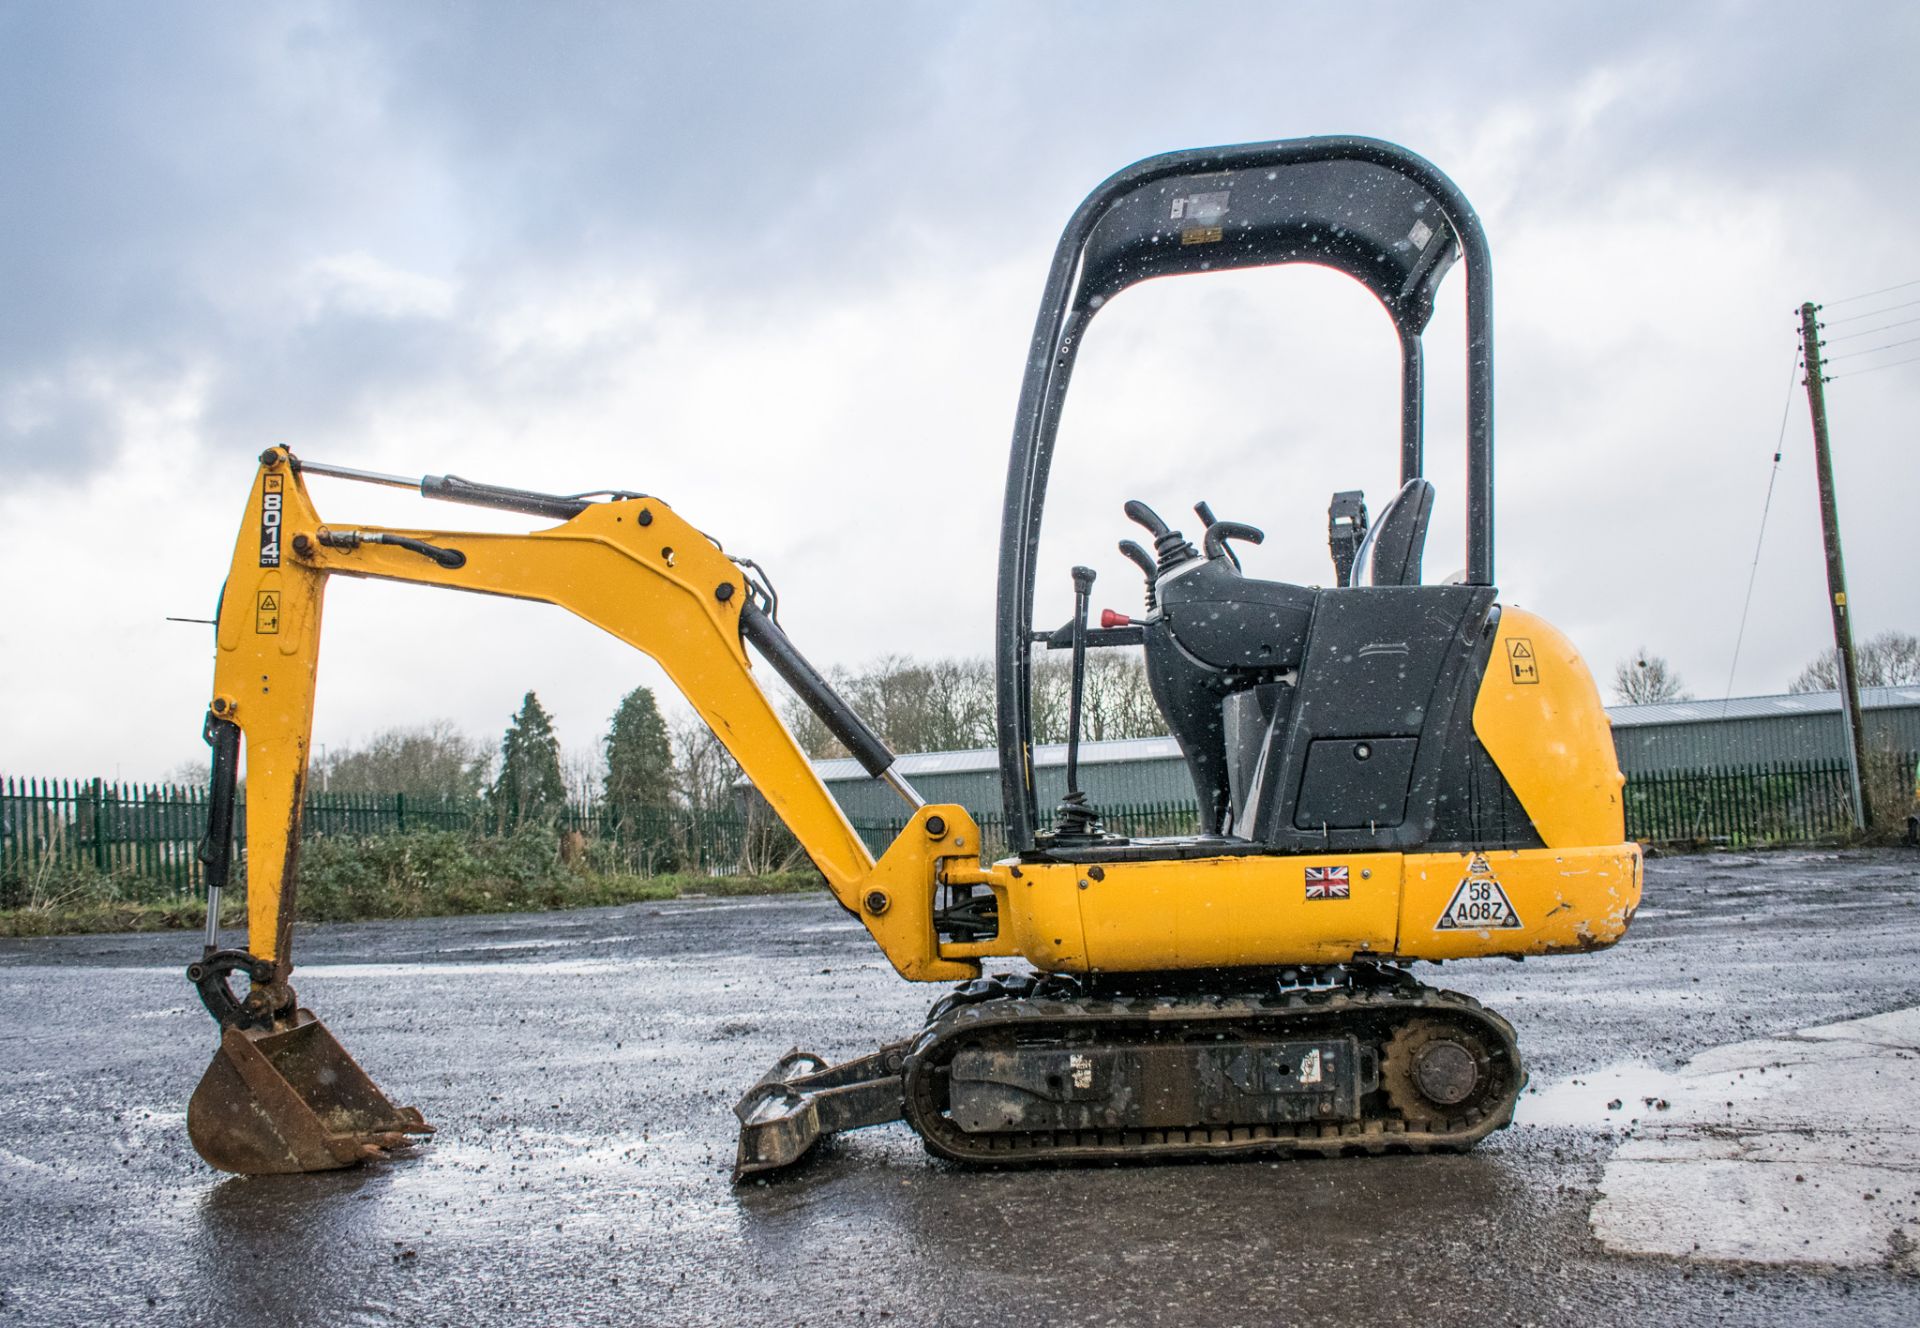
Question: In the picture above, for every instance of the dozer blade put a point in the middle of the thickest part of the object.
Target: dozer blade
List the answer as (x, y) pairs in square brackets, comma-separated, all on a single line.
[(290, 1099), (802, 1098)]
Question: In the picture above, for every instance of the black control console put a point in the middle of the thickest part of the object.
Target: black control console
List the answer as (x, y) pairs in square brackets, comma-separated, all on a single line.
[(1335, 718)]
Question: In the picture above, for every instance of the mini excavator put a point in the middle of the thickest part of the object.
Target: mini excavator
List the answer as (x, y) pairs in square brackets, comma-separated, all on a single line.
[(1387, 771)]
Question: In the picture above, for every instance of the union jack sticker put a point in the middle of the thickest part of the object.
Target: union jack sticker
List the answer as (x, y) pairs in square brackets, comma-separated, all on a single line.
[(1328, 883)]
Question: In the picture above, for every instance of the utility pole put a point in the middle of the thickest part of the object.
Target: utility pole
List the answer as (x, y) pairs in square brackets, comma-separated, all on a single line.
[(1836, 566)]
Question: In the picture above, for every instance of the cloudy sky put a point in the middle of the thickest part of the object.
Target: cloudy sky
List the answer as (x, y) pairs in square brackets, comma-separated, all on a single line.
[(777, 264)]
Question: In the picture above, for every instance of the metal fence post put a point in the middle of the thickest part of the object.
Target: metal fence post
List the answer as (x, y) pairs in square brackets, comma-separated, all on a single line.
[(98, 792)]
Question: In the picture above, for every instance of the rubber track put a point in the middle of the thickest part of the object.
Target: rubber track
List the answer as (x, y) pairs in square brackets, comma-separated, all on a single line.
[(1371, 1015)]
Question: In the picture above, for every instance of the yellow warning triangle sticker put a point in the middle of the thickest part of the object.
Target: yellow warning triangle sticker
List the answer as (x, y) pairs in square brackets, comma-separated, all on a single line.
[(267, 601), (1518, 650)]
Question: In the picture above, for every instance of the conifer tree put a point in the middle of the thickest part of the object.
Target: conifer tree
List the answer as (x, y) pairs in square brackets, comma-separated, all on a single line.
[(530, 787), (639, 757)]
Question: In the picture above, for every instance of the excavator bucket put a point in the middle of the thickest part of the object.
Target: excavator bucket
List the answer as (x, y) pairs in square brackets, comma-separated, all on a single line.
[(290, 1099)]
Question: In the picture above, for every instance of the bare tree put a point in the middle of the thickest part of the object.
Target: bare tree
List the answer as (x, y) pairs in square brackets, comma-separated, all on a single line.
[(949, 704), (1891, 659), (1116, 704), (1644, 679), (703, 769), (583, 769), (196, 773), (434, 760), (805, 726)]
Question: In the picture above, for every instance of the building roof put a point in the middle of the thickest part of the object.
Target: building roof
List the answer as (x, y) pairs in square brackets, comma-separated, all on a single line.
[(1166, 749), (1759, 707), (988, 758)]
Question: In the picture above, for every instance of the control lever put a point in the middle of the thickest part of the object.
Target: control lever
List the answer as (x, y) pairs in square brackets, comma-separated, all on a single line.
[(1204, 510), (1221, 531), (1075, 817), (1140, 558), (1169, 544)]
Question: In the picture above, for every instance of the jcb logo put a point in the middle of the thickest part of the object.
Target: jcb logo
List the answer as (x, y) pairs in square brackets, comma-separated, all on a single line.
[(270, 521)]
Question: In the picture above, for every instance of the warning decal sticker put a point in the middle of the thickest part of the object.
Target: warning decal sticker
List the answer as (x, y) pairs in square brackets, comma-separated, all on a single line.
[(1479, 903), (1200, 216), (266, 613), (1526, 669), (1328, 883)]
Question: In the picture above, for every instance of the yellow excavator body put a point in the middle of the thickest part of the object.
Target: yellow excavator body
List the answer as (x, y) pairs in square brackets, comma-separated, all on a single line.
[(1244, 989)]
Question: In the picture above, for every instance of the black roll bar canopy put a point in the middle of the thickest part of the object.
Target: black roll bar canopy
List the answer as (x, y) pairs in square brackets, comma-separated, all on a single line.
[(1383, 215)]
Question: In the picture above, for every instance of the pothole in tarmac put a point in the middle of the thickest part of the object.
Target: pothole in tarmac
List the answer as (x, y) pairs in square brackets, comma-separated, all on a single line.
[(1800, 1149)]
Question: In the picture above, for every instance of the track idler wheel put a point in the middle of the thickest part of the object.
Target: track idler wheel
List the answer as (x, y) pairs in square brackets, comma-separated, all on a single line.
[(1439, 1074)]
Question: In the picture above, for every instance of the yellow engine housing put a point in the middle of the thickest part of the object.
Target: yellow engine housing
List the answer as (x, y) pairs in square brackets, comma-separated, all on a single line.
[(1538, 715)]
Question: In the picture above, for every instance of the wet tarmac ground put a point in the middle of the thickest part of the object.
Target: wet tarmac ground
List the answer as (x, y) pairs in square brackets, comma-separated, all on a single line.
[(581, 1068)]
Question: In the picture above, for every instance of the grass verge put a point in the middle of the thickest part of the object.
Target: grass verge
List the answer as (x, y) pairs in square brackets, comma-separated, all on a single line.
[(416, 875)]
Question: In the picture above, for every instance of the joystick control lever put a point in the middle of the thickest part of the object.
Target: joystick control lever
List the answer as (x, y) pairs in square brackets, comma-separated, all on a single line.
[(1204, 510), (1169, 544), (1221, 531), (1140, 558)]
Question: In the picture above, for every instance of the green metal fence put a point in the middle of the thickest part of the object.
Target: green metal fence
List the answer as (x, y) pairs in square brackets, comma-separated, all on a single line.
[(149, 830), (152, 831), (1779, 803)]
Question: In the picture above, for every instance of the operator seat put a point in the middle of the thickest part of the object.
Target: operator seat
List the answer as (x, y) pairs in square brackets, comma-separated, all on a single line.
[(1390, 553)]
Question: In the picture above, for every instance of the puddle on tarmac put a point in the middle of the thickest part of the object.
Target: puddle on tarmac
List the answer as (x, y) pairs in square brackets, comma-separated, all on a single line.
[(1613, 1095)]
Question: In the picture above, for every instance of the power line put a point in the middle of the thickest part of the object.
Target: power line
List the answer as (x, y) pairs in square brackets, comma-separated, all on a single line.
[(1855, 373), (1779, 444), (1867, 295), (1865, 331), (1871, 313), (1870, 350)]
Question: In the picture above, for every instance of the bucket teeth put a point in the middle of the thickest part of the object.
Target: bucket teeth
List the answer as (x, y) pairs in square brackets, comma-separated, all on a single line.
[(290, 1098)]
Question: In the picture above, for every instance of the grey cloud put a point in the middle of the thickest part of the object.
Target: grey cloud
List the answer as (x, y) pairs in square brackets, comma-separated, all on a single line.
[(162, 174), (58, 429)]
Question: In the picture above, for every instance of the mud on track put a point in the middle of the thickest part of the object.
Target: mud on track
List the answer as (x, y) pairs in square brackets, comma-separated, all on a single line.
[(581, 1068)]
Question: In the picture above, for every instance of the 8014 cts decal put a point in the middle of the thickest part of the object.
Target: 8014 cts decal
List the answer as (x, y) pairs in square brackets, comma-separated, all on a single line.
[(270, 496)]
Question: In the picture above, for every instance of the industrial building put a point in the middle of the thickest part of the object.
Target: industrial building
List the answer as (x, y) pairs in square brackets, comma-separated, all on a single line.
[(1760, 730), (1670, 737)]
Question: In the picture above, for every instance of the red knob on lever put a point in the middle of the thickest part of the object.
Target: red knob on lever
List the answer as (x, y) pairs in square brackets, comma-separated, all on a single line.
[(1114, 618)]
